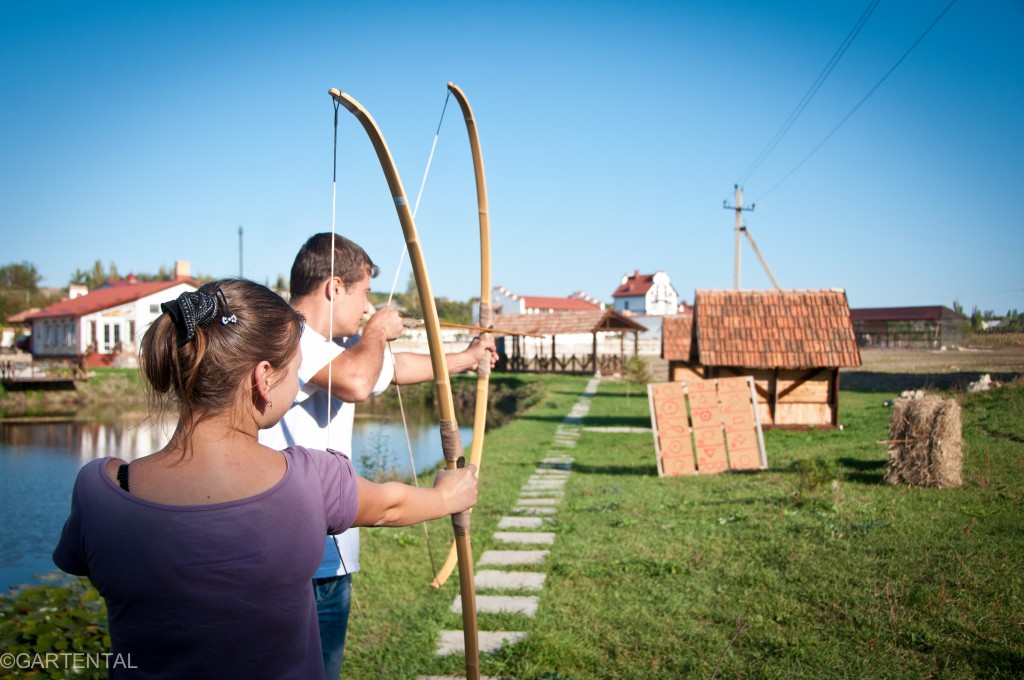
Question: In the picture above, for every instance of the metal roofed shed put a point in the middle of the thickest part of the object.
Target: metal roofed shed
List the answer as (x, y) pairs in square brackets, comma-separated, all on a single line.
[(908, 327)]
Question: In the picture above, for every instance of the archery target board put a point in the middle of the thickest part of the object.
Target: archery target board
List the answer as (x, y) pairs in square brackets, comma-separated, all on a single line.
[(706, 426)]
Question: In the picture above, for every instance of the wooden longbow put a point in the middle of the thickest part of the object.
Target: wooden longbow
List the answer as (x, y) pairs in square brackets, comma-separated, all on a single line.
[(451, 441), (483, 375)]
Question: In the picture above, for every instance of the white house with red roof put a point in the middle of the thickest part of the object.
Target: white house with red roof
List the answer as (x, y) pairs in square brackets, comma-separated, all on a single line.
[(646, 295), (98, 327), (503, 301)]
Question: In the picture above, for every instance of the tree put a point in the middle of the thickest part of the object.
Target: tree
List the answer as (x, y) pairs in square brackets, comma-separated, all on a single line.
[(95, 277), (454, 311), (1015, 322), (98, 275), (411, 300), (634, 373), (20, 276), (19, 289), (164, 273), (957, 307), (976, 320)]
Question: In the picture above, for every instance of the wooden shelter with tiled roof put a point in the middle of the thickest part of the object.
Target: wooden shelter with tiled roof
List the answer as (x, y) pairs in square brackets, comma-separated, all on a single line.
[(549, 327), (793, 342)]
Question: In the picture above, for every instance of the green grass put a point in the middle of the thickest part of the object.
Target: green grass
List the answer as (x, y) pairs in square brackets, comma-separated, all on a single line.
[(403, 614), (814, 568)]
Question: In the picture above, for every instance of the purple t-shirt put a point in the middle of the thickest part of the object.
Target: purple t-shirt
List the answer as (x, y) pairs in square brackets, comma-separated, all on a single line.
[(211, 591)]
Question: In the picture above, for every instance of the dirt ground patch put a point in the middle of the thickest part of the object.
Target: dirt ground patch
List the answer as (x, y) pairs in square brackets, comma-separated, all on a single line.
[(888, 370), (903, 369)]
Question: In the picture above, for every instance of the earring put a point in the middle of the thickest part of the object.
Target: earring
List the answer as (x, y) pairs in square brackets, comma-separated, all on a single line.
[(270, 404)]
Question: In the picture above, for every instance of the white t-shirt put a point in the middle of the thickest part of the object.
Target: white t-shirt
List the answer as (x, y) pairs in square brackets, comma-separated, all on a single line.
[(306, 424)]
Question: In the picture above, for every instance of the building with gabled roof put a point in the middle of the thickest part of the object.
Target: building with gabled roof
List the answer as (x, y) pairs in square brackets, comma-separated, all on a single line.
[(103, 326), (504, 301), (646, 294), (793, 342)]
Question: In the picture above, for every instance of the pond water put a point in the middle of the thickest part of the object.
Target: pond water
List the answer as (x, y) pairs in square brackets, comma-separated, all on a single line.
[(39, 462)]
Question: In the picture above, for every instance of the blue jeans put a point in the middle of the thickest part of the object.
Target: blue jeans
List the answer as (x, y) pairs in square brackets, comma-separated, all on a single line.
[(333, 598)]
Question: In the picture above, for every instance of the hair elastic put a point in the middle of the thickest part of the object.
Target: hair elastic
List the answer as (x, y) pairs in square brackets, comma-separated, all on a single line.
[(195, 308)]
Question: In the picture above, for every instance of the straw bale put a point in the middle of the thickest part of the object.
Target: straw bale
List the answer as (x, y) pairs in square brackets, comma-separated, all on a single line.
[(926, 446)]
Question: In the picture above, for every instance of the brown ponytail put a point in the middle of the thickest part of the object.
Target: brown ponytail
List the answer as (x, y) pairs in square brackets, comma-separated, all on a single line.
[(201, 377)]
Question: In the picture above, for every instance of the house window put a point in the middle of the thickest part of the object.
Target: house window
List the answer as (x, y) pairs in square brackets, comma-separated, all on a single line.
[(106, 334), (131, 330), (154, 309)]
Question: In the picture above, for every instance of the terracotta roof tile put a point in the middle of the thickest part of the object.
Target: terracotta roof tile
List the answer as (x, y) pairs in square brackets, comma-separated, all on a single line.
[(636, 284), (558, 303), (771, 329), (22, 316), (677, 337), (105, 298)]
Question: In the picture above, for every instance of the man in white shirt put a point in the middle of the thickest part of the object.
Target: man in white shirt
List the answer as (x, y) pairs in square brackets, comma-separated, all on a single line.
[(356, 365)]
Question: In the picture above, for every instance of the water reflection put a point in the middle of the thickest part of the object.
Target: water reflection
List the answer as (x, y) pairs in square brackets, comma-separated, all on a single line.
[(39, 462), (121, 439)]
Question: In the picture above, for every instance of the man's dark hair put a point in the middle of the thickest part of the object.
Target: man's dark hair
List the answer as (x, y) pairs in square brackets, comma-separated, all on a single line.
[(312, 265)]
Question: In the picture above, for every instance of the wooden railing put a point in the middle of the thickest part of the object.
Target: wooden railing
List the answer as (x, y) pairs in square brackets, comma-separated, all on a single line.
[(607, 364)]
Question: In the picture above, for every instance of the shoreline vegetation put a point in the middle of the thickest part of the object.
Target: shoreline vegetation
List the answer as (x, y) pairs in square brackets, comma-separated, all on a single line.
[(810, 566), (113, 393), (108, 393)]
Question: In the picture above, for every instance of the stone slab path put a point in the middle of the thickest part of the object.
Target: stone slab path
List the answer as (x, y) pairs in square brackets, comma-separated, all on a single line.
[(529, 525)]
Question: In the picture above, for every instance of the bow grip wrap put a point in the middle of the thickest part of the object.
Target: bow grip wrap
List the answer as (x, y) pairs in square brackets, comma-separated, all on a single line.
[(451, 445), (486, 321)]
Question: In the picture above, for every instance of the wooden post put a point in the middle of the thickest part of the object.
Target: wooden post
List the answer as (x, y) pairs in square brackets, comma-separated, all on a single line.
[(834, 396), (622, 345), (773, 395)]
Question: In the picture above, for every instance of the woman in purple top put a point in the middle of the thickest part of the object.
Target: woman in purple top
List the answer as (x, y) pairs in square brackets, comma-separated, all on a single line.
[(204, 551)]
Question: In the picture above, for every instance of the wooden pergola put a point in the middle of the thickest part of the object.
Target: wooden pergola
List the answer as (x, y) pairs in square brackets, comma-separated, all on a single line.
[(565, 323)]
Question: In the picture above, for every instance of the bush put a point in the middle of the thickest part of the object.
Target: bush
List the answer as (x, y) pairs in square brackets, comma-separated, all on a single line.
[(64, 618)]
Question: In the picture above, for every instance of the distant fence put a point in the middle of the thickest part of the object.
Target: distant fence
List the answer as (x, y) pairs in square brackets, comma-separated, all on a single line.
[(607, 364)]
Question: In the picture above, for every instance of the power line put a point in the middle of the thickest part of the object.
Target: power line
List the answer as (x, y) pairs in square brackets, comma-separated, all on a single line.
[(861, 102), (809, 95)]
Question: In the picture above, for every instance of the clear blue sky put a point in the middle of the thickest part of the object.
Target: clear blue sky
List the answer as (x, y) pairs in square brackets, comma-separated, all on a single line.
[(143, 133)]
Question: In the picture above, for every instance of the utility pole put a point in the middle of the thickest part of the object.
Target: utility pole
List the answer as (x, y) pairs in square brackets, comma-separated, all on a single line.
[(739, 227), (240, 270)]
